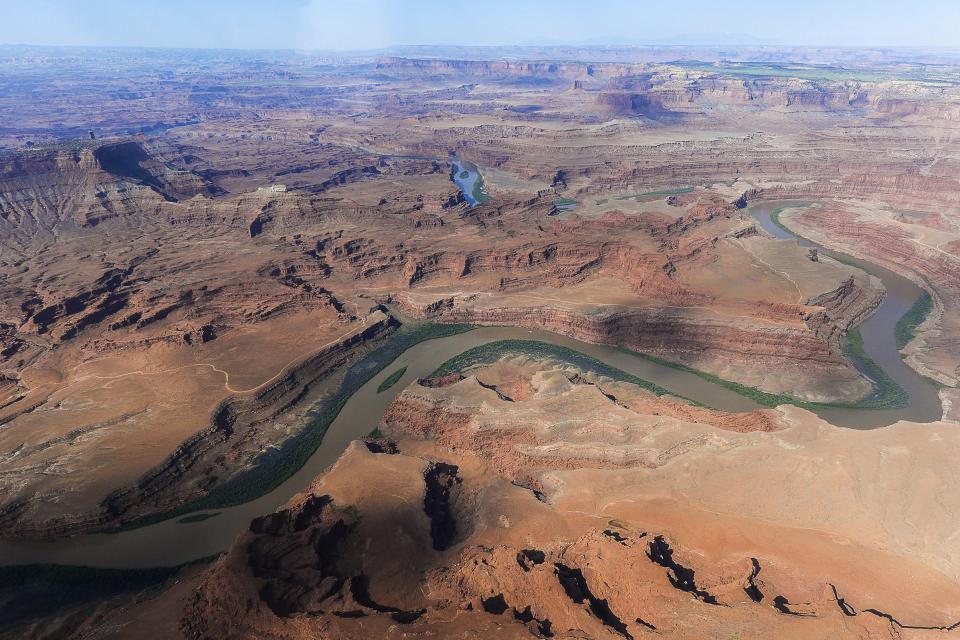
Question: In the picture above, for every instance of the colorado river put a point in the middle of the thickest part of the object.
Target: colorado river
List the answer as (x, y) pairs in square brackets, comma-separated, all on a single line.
[(466, 175), (878, 339), (171, 542)]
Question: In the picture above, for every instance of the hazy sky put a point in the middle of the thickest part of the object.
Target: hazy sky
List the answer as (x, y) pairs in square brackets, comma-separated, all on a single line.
[(364, 24)]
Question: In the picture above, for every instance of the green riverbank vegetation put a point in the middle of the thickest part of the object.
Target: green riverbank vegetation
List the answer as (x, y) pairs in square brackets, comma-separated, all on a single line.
[(391, 380)]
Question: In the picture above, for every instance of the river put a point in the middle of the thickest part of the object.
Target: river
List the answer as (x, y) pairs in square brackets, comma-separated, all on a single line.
[(465, 176), (172, 542)]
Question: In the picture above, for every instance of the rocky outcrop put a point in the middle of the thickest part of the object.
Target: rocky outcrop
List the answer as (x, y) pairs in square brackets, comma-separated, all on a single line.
[(632, 103), (843, 308), (479, 413), (45, 190)]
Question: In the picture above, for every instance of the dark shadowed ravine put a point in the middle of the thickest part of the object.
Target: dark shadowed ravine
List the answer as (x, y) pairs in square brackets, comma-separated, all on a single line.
[(174, 541)]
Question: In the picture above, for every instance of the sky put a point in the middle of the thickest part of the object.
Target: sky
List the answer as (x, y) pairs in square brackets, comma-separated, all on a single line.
[(344, 25)]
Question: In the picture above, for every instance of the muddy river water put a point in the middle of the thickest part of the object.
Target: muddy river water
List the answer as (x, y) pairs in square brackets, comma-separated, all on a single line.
[(172, 542)]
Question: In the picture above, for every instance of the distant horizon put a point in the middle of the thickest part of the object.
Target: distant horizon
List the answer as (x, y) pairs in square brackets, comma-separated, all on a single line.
[(546, 45), (351, 26), (396, 48)]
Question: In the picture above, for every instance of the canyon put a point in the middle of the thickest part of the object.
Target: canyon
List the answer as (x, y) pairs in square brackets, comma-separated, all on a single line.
[(204, 257)]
